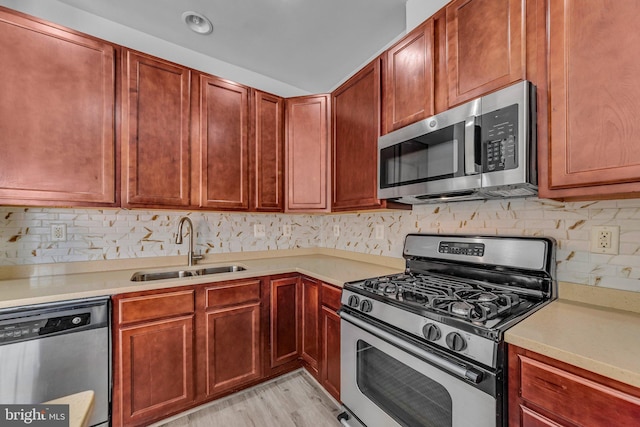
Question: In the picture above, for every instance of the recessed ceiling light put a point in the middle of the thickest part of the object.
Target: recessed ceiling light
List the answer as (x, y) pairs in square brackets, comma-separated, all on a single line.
[(197, 22)]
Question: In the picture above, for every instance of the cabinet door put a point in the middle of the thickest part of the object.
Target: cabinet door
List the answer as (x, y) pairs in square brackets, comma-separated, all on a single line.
[(155, 126), (310, 351), (485, 46), (223, 144), (547, 392), (232, 347), (285, 333), (409, 79), (356, 124), (267, 152), (307, 153), (594, 100), (156, 369), (330, 369), (57, 103)]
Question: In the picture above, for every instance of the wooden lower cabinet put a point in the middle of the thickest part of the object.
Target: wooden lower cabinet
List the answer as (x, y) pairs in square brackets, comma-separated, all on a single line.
[(153, 355), (310, 351), (233, 335), (177, 348), (330, 340), (284, 321), (547, 392), (157, 368)]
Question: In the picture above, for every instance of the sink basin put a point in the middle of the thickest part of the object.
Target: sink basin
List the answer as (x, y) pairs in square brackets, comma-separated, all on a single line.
[(176, 274)]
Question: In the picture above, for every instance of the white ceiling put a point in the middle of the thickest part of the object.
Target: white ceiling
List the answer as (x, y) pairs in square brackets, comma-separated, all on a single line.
[(309, 44)]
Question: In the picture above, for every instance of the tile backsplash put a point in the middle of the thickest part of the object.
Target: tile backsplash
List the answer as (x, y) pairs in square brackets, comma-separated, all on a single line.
[(95, 234)]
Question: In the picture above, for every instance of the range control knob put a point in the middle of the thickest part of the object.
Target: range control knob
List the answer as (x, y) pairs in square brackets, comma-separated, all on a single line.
[(431, 332), (366, 306), (456, 342), (353, 301)]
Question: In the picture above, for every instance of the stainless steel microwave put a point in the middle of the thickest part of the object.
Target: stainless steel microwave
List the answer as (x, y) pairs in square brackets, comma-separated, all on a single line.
[(484, 149)]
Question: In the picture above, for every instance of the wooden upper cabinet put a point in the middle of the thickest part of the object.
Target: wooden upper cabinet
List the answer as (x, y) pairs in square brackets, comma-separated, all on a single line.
[(307, 154), (57, 103), (356, 118), (267, 152), (408, 85), (223, 144), (485, 46), (594, 100), (155, 127)]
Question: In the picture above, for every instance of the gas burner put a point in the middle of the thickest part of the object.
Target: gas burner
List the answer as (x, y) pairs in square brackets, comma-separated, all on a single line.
[(486, 297), (461, 308), (386, 285)]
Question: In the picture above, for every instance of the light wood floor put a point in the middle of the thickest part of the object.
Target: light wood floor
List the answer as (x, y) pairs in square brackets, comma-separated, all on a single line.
[(293, 400)]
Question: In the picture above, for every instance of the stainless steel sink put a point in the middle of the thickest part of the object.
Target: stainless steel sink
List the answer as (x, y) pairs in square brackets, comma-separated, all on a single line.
[(176, 274)]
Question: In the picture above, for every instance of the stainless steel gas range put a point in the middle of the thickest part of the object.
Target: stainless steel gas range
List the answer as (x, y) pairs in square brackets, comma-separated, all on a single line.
[(425, 347)]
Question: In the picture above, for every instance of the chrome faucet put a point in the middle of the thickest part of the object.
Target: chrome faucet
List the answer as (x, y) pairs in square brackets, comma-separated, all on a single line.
[(191, 257)]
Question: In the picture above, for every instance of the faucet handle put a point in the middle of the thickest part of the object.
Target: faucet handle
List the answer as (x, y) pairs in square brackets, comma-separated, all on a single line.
[(196, 257)]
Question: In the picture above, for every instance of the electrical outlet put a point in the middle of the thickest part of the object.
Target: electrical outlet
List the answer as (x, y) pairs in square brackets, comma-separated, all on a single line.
[(258, 230), (379, 232), (58, 232), (336, 230), (605, 239), (286, 230)]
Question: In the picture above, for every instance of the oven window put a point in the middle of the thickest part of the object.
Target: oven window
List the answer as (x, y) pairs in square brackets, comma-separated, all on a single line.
[(435, 155), (408, 396)]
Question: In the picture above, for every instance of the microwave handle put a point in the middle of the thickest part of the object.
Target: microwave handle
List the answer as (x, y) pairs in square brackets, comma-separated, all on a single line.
[(470, 164)]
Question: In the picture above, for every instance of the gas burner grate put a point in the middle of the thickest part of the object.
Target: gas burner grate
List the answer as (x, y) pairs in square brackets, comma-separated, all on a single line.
[(467, 299), (477, 305)]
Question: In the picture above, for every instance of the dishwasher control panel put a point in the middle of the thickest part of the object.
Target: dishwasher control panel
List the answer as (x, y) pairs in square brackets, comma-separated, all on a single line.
[(21, 330)]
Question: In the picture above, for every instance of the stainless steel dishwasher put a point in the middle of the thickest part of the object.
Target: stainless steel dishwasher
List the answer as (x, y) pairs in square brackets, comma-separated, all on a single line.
[(57, 349)]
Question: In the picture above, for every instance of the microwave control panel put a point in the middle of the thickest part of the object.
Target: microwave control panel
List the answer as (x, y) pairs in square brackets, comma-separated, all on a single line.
[(500, 139)]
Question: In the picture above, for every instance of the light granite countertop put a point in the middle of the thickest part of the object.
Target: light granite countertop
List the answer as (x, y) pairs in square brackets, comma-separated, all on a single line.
[(592, 328), (588, 331), (76, 282)]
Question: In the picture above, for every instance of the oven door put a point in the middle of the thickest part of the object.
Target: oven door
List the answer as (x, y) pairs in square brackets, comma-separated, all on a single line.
[(387, 382)]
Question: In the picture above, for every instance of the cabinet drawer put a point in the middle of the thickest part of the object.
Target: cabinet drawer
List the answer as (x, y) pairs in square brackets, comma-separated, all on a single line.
[(226, 294), (574, 398), (331, 296), (149, 307)]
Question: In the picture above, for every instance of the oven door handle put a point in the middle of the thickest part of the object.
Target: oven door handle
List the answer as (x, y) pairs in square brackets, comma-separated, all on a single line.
[(468, 374)]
